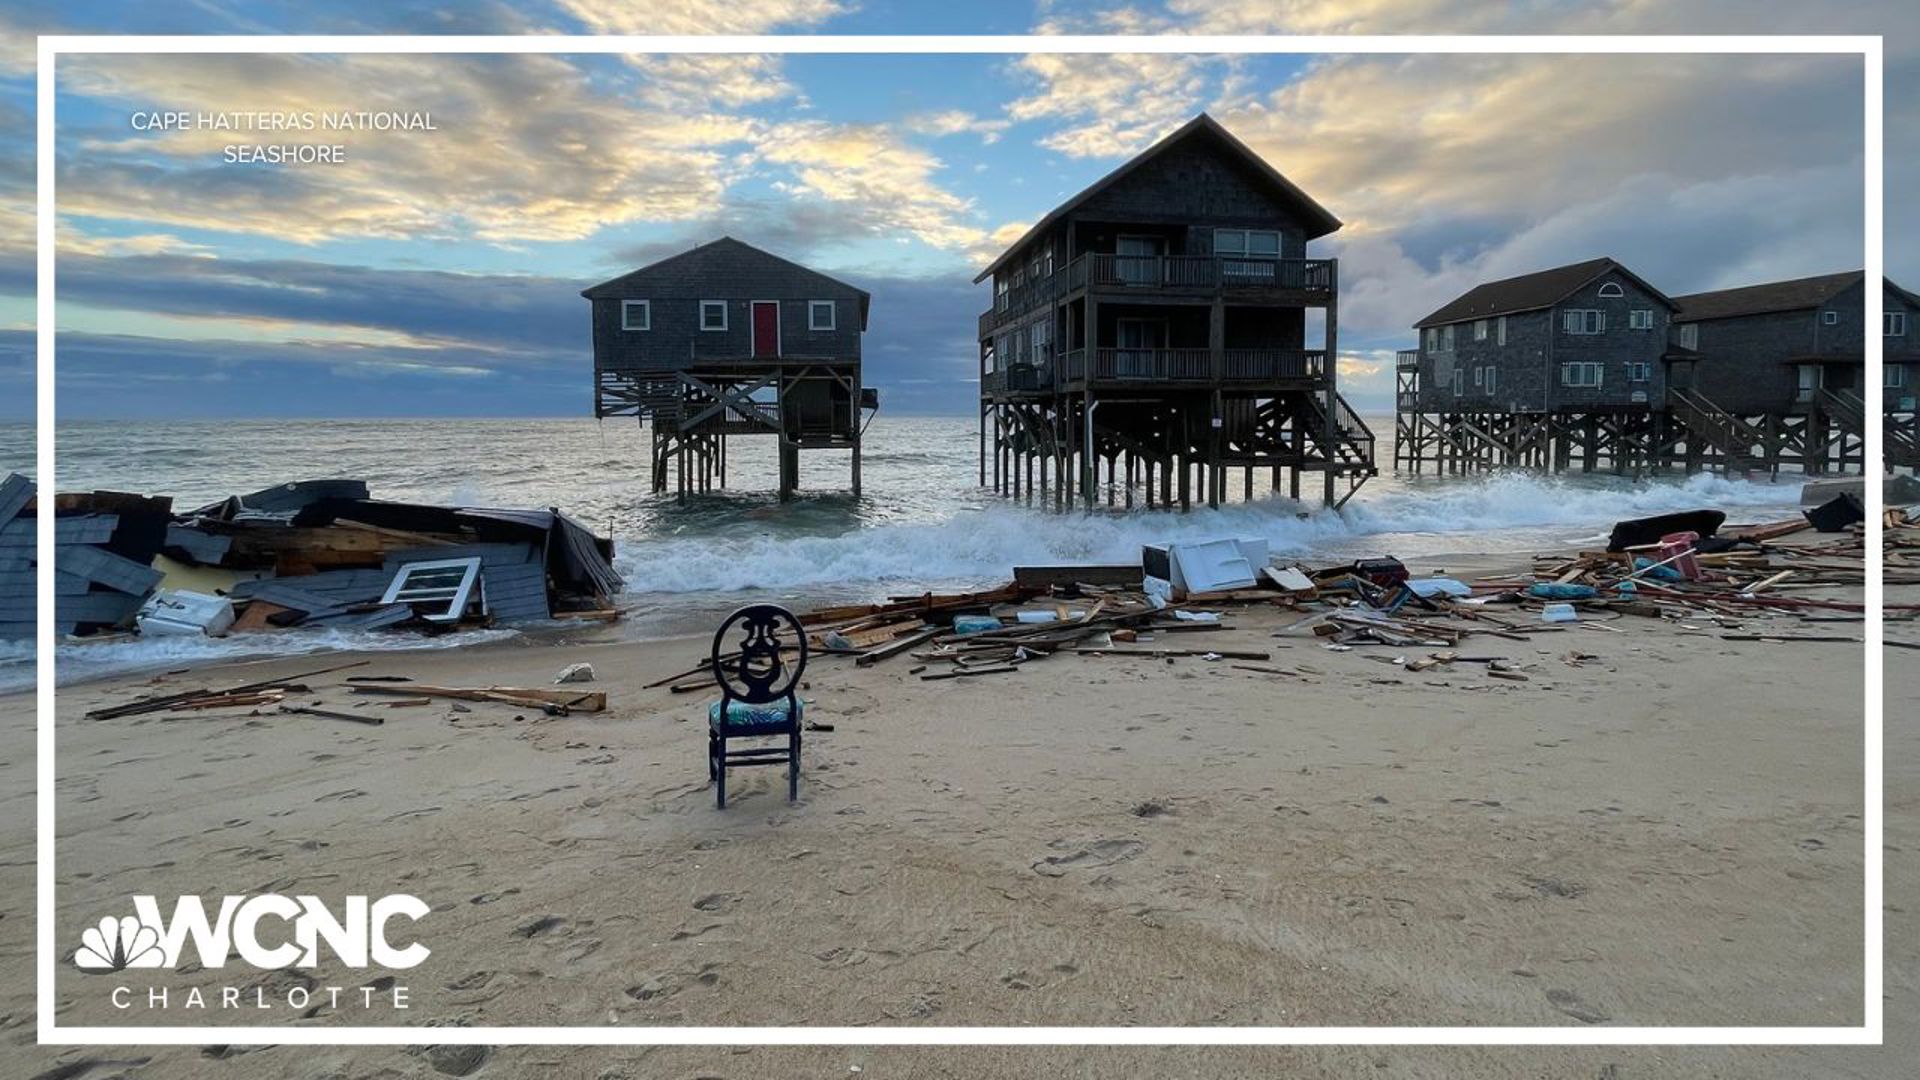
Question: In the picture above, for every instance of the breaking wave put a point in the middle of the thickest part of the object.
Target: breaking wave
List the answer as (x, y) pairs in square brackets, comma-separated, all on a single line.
[(1506, 512)]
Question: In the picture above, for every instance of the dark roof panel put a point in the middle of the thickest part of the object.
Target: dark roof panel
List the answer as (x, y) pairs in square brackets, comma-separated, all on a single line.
[(725, 248), (1530, 292), (1319, 221), (1796, 295)]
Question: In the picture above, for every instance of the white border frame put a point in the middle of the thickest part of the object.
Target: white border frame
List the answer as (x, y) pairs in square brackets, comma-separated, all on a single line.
[(1868, 48)]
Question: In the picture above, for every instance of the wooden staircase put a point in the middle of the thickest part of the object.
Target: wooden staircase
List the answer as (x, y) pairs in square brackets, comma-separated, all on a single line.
[(1732, 437), (1351, 454)]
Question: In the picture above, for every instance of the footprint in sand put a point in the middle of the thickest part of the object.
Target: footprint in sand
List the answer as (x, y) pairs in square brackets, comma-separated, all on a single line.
[(490, 897), (341, 796), (542, 925), (1570, 1003), (1096, 854), (715, 901)]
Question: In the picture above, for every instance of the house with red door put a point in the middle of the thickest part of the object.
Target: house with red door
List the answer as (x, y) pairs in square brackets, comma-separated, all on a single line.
[(725, 340)]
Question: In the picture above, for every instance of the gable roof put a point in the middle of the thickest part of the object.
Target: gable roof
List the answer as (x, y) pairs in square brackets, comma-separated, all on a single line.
[(1319, 221), (1796, 295), (1530, 292), (726, 245)]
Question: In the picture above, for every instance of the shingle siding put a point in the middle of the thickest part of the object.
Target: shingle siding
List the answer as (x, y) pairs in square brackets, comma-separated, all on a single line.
[(724, 270), (1528, 369)]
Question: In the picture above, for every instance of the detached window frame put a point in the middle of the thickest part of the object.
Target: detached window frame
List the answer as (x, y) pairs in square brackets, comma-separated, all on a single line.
[(707, 305), (815, 307), (627, 321), (446, 598)]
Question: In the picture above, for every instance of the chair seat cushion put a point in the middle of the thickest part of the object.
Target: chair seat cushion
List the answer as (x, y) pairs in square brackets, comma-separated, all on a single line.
[(743, 719)]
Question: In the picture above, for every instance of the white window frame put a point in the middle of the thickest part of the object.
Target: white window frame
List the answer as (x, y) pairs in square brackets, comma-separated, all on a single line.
[(704, 305), (1893, 324), (1501, 331), (1690, 335), (1040, 342), (1459, 382), (1639, 371), (1611, 291), (1590, 321), (1493, 378), (1049, 260), (1831, 318), (1002, 286), (443, 605), (1893, 376), (833, 315), (626, 314), (1479, 329), (1574, 373), (1640, 318), (1479, 374), (1446, 338)]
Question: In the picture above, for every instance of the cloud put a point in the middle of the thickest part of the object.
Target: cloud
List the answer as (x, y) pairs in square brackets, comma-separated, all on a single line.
[(700, 16), (884, 185), (957, 122), (522, 151)]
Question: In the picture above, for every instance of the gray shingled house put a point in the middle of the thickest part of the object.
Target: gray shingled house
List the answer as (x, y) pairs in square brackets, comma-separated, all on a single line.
[(1588, 335), (727, 340), (1168, 324), (1798, 349)]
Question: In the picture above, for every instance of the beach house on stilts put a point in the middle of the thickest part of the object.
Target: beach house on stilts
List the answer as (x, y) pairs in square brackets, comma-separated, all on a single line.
[(1157, 324), (726, 341)]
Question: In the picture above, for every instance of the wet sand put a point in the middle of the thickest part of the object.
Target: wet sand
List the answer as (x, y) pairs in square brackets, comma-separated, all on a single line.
[(1669, 834)]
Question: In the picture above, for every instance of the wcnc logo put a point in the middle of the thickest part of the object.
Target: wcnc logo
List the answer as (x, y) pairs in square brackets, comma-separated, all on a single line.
[(358, 937)]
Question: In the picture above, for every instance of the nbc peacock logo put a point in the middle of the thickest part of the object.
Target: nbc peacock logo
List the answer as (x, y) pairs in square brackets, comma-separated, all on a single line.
[(118, 944)]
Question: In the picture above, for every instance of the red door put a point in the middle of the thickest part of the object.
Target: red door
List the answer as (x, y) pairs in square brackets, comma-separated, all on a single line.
[(766, 328)]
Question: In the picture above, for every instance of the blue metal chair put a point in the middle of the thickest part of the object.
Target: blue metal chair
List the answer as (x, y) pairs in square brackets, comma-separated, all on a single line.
[(758, 679)]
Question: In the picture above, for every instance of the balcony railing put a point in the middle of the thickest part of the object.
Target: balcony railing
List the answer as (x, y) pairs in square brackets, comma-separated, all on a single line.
[(1407, 359), (1313, 278)]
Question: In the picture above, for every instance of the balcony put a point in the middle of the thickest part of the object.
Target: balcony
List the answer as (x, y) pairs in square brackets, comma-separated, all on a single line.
[(1192, 365), (1407, 360), (1302, 281)]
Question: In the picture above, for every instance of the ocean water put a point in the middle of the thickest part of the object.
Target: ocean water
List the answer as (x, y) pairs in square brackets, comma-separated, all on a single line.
[(921, 522)]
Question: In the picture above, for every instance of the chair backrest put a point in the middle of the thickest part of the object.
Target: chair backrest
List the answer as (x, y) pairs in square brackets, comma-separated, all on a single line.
[(759, 653)]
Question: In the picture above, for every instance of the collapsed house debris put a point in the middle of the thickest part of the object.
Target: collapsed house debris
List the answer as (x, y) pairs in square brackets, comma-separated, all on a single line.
[(319, 553), (1684, 568)]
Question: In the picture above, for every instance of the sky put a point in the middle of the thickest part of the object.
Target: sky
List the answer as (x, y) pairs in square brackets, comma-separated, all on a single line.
[(438, 272)]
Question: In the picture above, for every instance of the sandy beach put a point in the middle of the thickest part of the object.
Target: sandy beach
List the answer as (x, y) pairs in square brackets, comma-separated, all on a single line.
[(1666, 834)]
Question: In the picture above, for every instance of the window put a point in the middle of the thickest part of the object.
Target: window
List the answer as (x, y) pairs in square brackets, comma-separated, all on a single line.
[(820, 315), (1640, 319), (1042, 339), (1690, 336), (1459, 377), (1639, 371), (1492, 372), (1033, 269), (1586, 374), (1479, 329), (1578, 321), (1446, 338), (1612, 289), (1248, 243), (1479, 375), (636, 315), (1000, 287), (1893, 323), (713, 314), (1433, 339), (439, 590), (1831, 318), (1501, 331), (1049, 260), (1893, 376)]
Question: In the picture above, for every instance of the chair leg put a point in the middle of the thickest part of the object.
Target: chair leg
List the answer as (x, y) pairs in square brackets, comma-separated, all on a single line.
[(793, 765), (713, 751)]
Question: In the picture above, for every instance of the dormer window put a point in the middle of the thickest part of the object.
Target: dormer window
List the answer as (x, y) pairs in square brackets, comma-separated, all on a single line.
[(636, 315), (713, 314), (1612, 290)]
